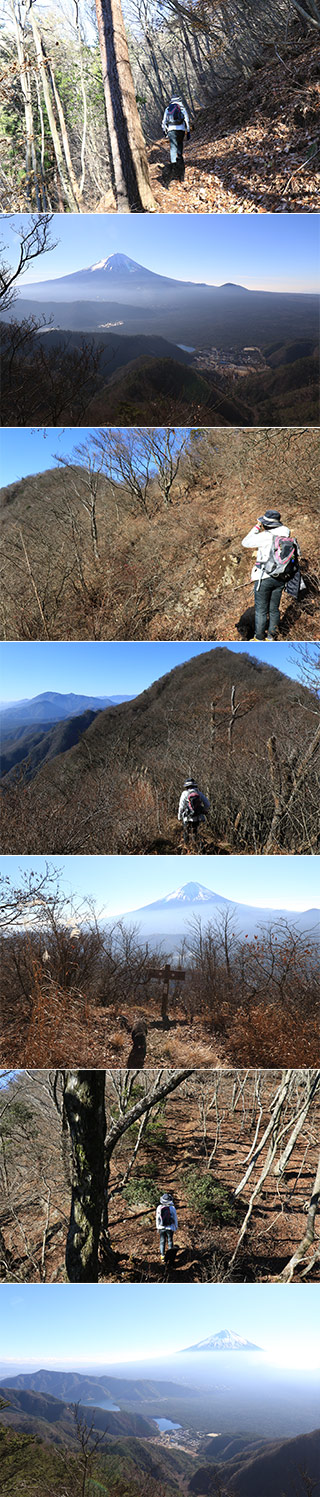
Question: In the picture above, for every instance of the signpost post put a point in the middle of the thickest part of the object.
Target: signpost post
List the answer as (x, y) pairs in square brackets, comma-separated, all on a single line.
[(167, 974)]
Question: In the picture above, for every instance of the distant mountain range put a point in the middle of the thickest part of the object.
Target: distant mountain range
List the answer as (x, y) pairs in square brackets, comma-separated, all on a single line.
[(114, 289), (167, 920), (51, 707), (26, 739), (239, 1462), (224, 1341)]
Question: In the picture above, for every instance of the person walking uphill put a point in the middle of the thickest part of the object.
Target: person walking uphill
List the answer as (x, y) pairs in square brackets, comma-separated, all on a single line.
[(193, 808), (166, 1223), (175, 124), (276, 562)]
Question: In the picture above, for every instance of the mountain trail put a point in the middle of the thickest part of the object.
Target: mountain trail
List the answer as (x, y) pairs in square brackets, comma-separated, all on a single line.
[(256, 148)]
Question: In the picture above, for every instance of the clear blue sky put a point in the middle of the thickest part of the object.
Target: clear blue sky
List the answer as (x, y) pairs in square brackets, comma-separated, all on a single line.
[(267, 251), (113, 669), (73, 1325), (118, 884), (24, 450)]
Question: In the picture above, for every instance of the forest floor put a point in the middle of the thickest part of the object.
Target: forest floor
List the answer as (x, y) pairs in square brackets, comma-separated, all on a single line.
[(256, 148), (178, 1161)]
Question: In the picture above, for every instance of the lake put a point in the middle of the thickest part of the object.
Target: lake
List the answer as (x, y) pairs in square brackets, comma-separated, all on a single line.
[(166, 1424)]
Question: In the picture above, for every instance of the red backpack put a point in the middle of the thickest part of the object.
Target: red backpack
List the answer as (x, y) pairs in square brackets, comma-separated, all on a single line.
[(166, 1216), (195, 805)]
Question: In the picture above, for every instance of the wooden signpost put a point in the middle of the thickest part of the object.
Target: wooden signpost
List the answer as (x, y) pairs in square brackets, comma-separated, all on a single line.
[(167, 974)]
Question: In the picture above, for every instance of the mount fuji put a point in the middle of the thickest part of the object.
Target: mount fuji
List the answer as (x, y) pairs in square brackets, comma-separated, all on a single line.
[(116, 292), (168, 919), (224, 1341)]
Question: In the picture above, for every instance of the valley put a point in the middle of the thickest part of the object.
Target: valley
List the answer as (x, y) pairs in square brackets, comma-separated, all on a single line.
[(66, 332)]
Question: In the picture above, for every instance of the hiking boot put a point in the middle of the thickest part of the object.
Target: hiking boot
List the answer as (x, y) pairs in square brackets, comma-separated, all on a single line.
[(162, 1258), (273, 637)]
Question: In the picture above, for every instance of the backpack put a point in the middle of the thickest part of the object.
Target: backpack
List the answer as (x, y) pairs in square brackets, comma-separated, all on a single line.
[(195, 805), (175, 115), (166, 1217), (283, 559)]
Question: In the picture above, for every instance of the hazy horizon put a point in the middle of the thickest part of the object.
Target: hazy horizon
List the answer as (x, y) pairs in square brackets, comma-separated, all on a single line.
[(118, 1324), (214, 251), (109, 668), (118, 885)]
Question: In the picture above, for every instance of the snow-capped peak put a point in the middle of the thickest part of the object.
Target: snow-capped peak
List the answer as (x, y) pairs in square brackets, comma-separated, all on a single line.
[(224, 1341), (191, 893), (117, 262)]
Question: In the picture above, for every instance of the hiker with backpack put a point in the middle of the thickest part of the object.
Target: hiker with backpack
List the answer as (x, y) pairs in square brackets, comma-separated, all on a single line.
[(175, 124), (276, 567), (193, 808), (166, 1223)]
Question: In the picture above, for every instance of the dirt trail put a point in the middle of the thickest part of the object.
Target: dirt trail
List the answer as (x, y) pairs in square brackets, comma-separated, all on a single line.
[(256, 149), (203, 1246)]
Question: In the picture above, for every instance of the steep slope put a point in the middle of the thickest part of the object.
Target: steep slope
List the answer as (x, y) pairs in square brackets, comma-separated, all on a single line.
[(32, 748), (144, 391), (193, 574), (277, 1467), (54, 1418), (253, 148), (140, 727)]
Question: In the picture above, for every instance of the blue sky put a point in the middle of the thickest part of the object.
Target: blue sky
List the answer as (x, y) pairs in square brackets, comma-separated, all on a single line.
[(25, 450), (45, 1325), (113, 669), (267, 251), (118, 884)]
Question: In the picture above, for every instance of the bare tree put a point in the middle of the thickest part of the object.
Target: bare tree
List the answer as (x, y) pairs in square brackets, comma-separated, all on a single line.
[(34, 241)]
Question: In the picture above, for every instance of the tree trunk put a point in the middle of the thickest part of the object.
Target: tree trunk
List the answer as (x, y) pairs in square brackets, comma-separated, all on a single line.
[(85, 1111), (66, 186), (128, 150), (24, 75), (64, 137)]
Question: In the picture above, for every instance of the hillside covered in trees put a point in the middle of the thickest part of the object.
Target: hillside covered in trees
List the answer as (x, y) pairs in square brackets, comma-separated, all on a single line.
[(246, 70), (217, 1141), (138, 534), (247, 732)]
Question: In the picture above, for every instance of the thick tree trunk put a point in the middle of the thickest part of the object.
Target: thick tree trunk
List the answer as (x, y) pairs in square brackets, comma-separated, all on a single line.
[(127, 145), (85, 1111)]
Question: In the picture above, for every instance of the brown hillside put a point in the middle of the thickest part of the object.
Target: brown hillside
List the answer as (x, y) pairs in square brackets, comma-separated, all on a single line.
[(268, 1471), (175, 1149), (256, 148), (117, 789), (175, 572)]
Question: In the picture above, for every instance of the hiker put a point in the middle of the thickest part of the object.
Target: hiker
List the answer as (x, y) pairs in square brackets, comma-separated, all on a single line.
[(166, 1223), (275, 565), (174, 124), (193, 808)]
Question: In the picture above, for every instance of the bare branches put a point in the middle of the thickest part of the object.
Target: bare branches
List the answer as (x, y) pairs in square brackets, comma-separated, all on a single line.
[(35, 240)]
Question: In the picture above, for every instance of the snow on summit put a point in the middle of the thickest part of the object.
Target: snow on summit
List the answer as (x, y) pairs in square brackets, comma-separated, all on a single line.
[(189, 894), (224, 1341)]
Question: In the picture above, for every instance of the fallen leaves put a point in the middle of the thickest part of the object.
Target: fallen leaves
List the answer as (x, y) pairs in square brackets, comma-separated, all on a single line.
[(258, 165)]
